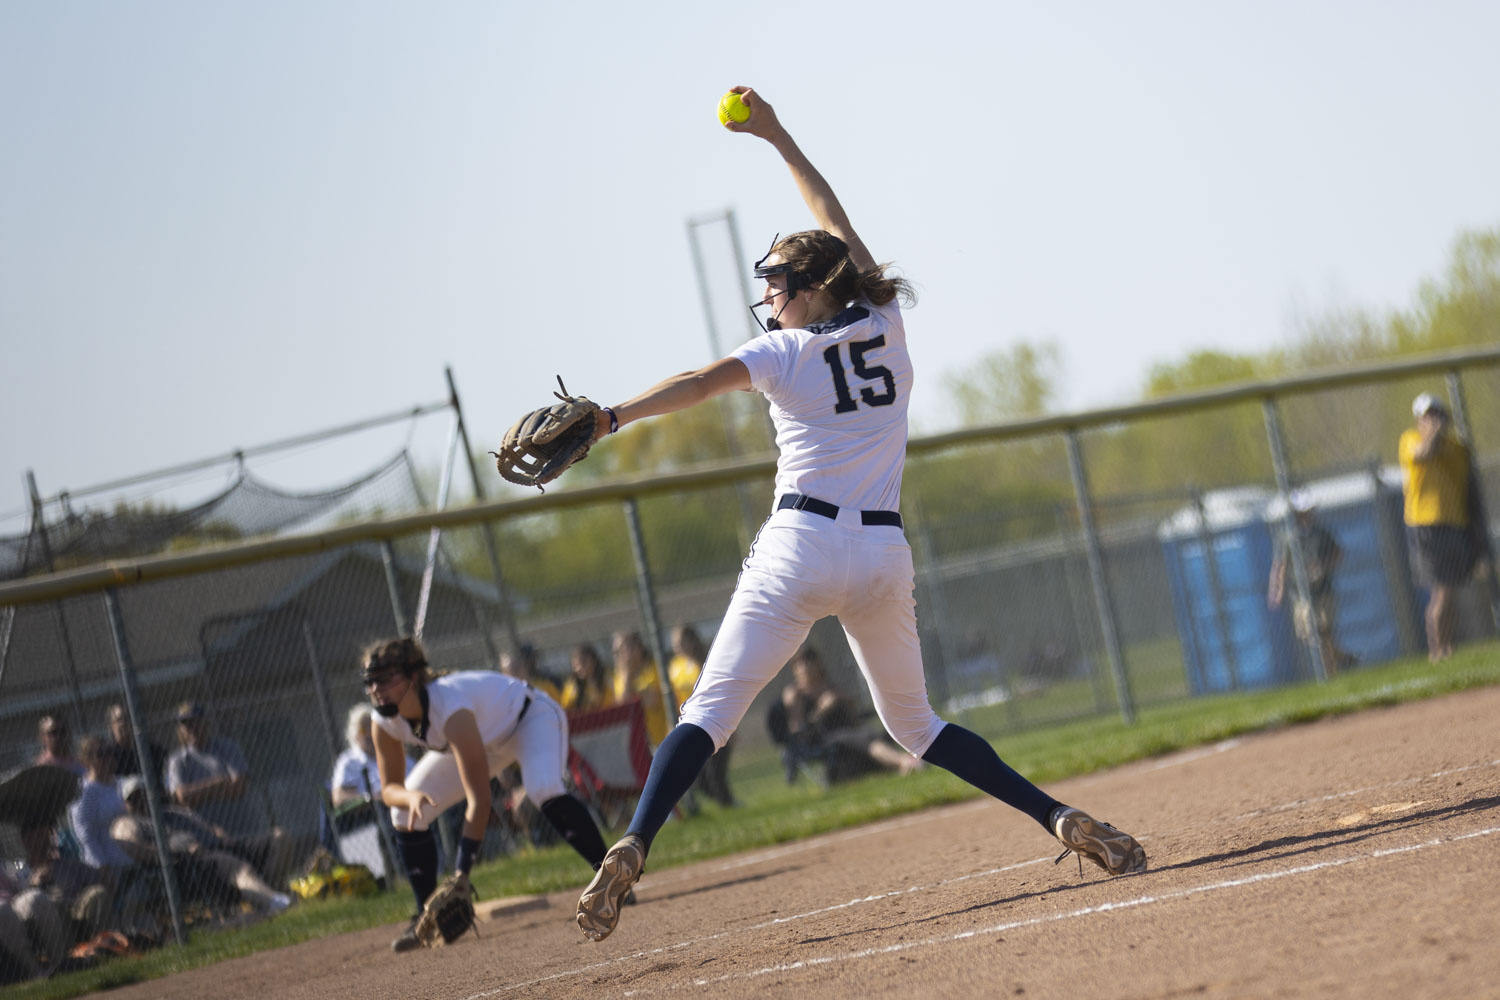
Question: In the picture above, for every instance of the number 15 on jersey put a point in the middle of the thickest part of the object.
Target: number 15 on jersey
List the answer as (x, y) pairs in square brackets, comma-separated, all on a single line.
[(844, 402)]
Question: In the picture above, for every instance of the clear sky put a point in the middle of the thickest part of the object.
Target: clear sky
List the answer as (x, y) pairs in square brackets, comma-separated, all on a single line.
[(227, 223)]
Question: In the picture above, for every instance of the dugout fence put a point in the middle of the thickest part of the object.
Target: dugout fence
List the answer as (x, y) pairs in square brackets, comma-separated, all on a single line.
[(1067, 566)]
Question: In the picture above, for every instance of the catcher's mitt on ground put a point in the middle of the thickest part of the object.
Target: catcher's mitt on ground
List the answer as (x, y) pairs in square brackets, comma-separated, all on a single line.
[(449, 913), (545, 442)]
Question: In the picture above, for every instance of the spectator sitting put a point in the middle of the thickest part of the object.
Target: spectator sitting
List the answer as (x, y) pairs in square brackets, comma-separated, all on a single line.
[(356, 778), (33, 935), (587, 687), (78, 891), (522, 666), (689, 654), (96, 807), (635, 677), (57, 744), (121, 744), (201, 855), (815, 722), (209, 774)]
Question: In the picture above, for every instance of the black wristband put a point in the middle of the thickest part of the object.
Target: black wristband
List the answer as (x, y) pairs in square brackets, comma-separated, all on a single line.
[(614, 421), (468, 853)]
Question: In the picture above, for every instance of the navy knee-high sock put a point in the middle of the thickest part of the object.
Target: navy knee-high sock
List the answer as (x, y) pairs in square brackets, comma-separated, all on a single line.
[(571, 818), (970, 756), (419, 853), (673, 770)]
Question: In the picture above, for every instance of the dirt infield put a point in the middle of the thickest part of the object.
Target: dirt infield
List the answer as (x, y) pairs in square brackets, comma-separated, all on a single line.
[(1352, 857)]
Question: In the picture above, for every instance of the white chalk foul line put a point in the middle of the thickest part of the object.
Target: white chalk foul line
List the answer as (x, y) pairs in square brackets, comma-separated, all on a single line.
[(1299, 803), (1087, 911), (926, 816), (774, 921)]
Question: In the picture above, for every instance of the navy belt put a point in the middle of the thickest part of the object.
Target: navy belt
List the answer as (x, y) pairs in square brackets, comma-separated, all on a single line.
[(796, 501)]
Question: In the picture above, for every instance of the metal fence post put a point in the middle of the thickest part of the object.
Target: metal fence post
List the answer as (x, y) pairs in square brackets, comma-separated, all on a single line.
[(1461, 423), (320, 687), (486, 531), (7, 624), (749, 510), (39, 528), (1103, 603), (1293, 536), (1078, 600), (148, 764), (393, 586), (646, 594), (429, 564)]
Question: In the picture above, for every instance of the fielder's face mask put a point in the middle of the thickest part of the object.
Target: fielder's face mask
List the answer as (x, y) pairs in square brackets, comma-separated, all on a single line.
[(796, 281), (378, 677)]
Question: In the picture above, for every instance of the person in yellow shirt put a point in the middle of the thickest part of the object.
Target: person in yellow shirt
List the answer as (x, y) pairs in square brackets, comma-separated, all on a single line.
[(588, 686), (635, 677), (688, 653), (1448, 542)]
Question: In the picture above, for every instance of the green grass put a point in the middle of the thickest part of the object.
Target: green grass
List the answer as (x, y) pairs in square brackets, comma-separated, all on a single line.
[(773, 812)]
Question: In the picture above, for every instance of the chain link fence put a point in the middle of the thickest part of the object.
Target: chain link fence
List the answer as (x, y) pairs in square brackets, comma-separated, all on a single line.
[(1066, 567)]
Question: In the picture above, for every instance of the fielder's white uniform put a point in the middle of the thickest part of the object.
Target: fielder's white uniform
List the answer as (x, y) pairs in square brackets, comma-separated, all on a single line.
[(839, 392), (517, 723)]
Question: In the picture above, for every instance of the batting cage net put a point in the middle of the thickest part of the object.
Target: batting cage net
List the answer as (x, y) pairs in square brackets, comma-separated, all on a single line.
[(1065, 567)]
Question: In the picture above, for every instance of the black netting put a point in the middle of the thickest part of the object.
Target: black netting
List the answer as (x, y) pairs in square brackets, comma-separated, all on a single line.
[(247, 508)]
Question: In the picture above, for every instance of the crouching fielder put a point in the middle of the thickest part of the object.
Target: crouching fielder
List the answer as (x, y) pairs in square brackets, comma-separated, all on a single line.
[(835, 367), (474, 725)]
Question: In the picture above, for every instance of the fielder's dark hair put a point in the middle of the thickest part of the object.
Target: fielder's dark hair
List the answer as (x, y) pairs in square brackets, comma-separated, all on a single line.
[(404, 654), (825, 258)]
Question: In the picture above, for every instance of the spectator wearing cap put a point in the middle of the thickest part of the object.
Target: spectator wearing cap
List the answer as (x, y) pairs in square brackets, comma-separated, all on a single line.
[(1449, 544), (121, 744), (209, 774), (1321, 555), (56, 738)]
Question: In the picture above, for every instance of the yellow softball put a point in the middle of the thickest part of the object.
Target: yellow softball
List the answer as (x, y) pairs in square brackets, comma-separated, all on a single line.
[(732, 108)]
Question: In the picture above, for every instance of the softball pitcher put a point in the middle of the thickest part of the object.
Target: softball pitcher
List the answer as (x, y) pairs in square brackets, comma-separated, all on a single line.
[(473, 724), (835, 368)]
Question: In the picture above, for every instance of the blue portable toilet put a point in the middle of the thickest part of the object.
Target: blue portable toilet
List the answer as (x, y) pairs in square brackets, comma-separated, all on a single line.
[(1230, 638), (1218, 554)]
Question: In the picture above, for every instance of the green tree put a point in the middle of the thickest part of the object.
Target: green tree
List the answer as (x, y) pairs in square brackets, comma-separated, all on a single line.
[(1006, 384), (1462, 309), (1202, 370)]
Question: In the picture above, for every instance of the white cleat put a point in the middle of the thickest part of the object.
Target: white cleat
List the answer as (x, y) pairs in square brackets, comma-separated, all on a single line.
[(599, 906), (1113, 850)]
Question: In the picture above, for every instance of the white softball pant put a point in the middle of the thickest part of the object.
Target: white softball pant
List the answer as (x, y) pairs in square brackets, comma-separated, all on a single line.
[(539, 745), (802, 567)]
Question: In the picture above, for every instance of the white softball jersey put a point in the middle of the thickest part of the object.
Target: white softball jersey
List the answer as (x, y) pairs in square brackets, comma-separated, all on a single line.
[(494, 698), (537, 739), (839, 393)]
